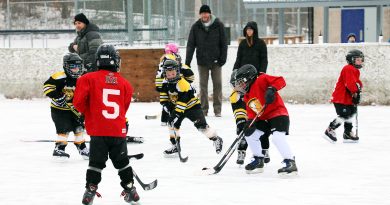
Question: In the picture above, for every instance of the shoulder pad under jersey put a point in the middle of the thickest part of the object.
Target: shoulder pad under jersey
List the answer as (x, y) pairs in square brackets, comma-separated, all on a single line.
[(234, 97), (183, 85), (59, 75)]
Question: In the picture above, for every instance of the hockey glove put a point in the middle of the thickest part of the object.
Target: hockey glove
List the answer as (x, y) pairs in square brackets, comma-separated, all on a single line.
[(356, 98), (175, 120), (61, 101), (270, 95)]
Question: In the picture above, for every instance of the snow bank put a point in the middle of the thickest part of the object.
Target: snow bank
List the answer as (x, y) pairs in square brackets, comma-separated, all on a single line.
[(310, 70)]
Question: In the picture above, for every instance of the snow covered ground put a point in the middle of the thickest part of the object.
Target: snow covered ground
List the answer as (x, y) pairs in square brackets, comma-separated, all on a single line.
[(328, 173)]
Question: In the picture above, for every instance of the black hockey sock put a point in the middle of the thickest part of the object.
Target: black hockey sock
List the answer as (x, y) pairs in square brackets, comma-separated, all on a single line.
[(334, 124), (347, 127), (264, 139), (80, 146), (173, 140), (60, 146), (243, 145), (93, 177), (126, 176)]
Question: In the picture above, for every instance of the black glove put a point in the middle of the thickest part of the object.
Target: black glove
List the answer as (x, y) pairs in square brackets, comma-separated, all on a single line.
[(61, 101), (270, 95), (356, 98), (175, 120)]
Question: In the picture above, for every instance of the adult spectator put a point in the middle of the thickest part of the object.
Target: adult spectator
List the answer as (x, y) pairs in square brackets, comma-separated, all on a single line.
[(208, 36), (252, 50), (351, 38), (87, 41)]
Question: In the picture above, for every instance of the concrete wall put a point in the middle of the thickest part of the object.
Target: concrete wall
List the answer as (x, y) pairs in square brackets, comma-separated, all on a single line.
[(310, 71)]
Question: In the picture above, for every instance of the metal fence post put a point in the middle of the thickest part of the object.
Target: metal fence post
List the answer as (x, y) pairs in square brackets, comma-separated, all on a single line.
[(130, 23)]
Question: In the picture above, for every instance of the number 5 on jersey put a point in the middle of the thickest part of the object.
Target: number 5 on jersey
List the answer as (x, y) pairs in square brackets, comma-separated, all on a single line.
[(106, 93)]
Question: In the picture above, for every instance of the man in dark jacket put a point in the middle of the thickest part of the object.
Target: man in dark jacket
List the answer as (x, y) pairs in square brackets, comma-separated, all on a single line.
[(87, 41), (252, 50), (208, 36)]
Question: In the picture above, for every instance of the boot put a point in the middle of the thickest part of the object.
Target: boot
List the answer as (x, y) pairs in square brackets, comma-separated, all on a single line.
[(83, 150), (218, 142), (349, 137), (59, 151), (241, 157), (330, 135), (256, 166), (289, 169), (265, 152), (171, 152), (130, 194), (89, 194)]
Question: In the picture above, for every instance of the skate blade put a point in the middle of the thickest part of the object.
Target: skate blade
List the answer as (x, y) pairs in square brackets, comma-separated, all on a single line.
[(60, 159), (171, 155), (328, 139), (286, 175), (350, 141), (255, 171)]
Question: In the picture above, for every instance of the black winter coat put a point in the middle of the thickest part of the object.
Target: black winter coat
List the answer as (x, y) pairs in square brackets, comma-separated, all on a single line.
[(211, 46), (88, 40), (255, 55)]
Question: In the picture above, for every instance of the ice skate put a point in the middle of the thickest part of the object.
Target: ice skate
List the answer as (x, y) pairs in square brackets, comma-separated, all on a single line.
[(89, 194), (256, 166), (59, 152), (218, 142), (330, 135), (289, 169), (171, 152), (265, 152), (241, 157), (350, 137), (130, 195)]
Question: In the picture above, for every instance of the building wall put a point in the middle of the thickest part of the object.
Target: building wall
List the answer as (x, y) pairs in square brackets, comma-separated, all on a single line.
[(335, 24)]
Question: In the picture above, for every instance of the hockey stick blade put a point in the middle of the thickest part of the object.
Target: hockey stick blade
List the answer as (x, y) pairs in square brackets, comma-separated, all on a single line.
[(179, 151), (150, 117), (146, 187), (136, 156)]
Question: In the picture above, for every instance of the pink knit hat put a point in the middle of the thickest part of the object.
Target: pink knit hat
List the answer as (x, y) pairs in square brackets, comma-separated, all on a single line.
[(171, 48)]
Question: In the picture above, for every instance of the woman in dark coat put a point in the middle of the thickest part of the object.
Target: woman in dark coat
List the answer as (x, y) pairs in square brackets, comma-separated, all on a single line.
[(252, 50)]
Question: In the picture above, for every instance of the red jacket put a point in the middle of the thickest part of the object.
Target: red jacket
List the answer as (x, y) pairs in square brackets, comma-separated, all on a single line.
[(103, 97), (346, 85), (257, 91)]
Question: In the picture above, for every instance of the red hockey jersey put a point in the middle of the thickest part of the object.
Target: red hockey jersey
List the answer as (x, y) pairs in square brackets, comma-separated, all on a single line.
[(257, 92), (346, 85), (103, 97)]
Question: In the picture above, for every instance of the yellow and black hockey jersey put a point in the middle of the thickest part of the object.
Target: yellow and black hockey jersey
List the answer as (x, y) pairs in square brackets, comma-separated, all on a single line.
[(185, 71), (238, 107), (180, 95), (56, 86)]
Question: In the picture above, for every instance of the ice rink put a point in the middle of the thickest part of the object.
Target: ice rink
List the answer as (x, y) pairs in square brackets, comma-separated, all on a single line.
[(329, 174)]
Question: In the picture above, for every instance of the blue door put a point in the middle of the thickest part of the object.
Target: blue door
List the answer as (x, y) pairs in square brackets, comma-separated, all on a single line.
[(352, 21)]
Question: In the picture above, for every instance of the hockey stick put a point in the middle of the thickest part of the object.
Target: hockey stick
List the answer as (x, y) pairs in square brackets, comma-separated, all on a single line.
[(217, 168), (150, 117), (27, 140), (179, 150), (136, 156), (146, 187), (356, 118)]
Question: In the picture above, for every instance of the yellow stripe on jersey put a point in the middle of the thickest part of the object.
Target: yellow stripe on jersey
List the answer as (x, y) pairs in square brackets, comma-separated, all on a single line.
[(59, 75), (182, 106), (164, 97), (48, 88), (183, 85), (240, 113), (234, 97)]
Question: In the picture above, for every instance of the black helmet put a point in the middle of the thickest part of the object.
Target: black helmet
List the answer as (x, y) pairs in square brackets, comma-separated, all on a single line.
[(352, 55), (107, 58), (242, 78), (169, 65), (73, 65)]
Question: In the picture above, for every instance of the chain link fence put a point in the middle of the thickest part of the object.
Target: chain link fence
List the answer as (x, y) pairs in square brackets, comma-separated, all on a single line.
[(49, 23)]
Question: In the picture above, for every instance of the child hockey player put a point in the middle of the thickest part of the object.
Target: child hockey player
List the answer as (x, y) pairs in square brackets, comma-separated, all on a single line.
[(259, 92), (346, 96), (172, 53), (178, 99), (104, 97), (60, 87)]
